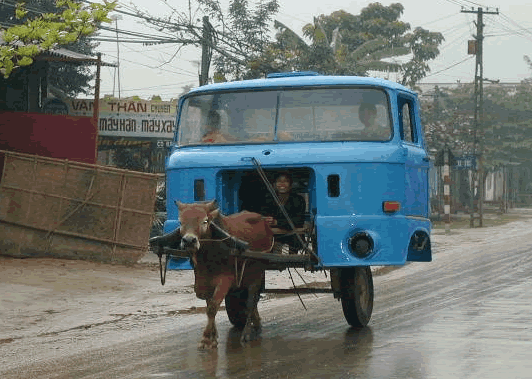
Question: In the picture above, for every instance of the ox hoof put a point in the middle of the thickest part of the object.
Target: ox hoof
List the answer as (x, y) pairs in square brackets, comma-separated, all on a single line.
[(250, 335), (208, 345)]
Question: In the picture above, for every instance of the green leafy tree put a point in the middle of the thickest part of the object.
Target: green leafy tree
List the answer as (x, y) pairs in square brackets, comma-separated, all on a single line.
[(185, 89), (503, 136), (68, 78), (250, 31), (342, 43), (448, 120), (325, 53), (233, 38), (30, 32), (73, 79)]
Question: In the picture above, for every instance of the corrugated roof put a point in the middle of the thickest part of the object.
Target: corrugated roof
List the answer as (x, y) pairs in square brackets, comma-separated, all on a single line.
[(64, 55)]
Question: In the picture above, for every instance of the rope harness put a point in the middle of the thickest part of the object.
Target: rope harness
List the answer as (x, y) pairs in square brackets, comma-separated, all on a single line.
[(270, 188), (237, 245), (240, 245)]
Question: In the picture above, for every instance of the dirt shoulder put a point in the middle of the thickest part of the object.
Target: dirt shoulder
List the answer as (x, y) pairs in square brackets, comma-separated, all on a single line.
[(46, 296)]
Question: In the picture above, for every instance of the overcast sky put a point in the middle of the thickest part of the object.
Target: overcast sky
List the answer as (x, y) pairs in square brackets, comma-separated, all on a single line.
[(158, 70)]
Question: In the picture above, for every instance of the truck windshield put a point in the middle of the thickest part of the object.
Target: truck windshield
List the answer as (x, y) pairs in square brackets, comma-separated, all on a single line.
[(298, 115)]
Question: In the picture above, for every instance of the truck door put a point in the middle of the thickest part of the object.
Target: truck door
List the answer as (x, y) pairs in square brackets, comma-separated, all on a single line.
[(417, 160)]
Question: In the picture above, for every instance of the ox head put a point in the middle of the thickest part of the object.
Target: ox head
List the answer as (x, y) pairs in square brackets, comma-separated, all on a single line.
[(195, 222)]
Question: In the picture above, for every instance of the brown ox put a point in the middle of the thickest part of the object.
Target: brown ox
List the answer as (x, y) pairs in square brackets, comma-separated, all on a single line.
[(217, 272)]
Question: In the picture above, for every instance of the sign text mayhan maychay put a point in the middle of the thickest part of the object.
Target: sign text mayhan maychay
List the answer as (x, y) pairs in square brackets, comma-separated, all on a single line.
[(130, 118)]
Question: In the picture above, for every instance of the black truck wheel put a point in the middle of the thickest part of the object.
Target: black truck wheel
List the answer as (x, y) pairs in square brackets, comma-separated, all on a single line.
[(357, 295), (235, 306)]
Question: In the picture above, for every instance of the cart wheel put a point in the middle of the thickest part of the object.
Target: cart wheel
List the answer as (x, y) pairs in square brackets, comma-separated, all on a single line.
[(235, 306), (357, 295)]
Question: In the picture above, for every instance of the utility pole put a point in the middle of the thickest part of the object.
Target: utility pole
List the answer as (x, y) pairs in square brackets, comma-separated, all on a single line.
[(206, 51), (96, 105), (447, 189), (116, 18), (475, 47)]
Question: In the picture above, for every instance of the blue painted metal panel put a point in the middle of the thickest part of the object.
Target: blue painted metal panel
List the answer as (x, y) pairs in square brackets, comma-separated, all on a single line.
[(368, 174), (299, 81), (179, 264), (389, 233), (308, 153), (364, 186), (391, 236)]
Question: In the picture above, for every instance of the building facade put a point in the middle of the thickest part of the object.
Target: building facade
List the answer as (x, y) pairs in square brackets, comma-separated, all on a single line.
[(132, 134)]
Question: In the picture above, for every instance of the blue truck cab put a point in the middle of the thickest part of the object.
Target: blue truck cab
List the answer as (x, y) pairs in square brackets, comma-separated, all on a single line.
[(353, 145)]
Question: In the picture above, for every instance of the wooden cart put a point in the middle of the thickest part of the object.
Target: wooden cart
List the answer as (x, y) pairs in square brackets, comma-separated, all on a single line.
[(64, 209)]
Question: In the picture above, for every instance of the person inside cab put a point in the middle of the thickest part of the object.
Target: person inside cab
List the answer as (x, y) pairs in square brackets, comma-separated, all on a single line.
[(295, 207), (367, 114), (213, 133)]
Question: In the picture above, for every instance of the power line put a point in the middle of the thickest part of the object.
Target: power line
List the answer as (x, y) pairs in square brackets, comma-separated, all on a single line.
[(521, 31), (456, 27), (449, 67), (182, 72), (160, 86), (456, 2), (440, 19), (142, 17), (141, 41), (149, 38), (131, 33), (473, 3), (158, 61), (453, 43), (500, 26), (504, 34), (144, 50), (506, 17), (29, 9), (230, 46)]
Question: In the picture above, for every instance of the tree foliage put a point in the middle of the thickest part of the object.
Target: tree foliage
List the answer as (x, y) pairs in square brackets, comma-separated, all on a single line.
[(234, 36), (503, 135), (346, 44), (28, 35), (340, 43), (69, 78)]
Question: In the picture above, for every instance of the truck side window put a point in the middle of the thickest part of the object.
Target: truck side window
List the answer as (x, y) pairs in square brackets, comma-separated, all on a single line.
[(408, 130)]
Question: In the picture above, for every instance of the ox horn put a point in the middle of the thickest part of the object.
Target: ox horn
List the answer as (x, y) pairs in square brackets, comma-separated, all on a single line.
[(211, 206)]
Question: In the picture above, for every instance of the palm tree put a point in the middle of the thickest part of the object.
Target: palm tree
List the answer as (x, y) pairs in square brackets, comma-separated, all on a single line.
[(327, 54), (346, 44)]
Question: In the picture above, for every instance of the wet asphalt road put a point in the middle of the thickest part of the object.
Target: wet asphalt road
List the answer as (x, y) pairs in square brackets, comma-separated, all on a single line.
[(468, 314)]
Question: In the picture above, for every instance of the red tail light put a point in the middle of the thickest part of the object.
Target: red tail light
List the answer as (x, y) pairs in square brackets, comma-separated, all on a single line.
[(391, 206)]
